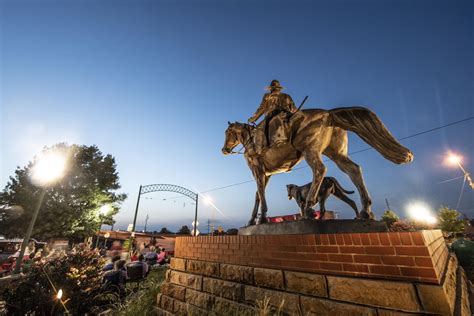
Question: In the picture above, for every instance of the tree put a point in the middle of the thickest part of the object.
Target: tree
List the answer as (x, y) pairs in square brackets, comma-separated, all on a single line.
[(449, 221), (165, 230), (232, 231), (184, 230), (70, 206), (390, 217)]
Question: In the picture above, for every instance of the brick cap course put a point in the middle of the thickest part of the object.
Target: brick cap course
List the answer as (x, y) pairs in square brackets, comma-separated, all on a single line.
[(419, 256)]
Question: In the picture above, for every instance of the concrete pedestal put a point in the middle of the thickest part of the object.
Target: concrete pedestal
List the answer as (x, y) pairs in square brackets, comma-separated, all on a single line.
[(311, 226)]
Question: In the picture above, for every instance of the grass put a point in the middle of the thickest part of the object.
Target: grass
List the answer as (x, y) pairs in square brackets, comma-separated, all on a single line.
[(142, 302)]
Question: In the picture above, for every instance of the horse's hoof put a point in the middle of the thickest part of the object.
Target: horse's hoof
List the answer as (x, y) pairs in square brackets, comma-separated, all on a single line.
[(366, 215), (262, 221)]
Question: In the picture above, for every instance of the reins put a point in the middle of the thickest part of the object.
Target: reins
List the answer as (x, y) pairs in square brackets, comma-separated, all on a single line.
[(243, 145)]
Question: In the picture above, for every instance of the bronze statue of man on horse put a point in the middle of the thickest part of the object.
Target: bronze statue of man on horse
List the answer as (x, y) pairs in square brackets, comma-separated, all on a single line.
[(309, 134)]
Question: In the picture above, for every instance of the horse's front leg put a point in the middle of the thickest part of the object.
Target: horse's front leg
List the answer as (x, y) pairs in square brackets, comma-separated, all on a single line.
[(255, 210), (262, 181), (313, 159)]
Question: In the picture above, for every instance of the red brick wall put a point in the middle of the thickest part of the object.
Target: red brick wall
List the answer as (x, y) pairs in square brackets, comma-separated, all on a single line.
[(415, 256)]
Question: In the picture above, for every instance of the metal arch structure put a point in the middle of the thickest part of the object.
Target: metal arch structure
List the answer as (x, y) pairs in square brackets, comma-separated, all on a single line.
[(168, 187), (144, 189)]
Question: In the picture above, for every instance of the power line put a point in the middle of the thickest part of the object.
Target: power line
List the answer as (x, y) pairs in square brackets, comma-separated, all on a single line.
[(350, 154), (357, 151)]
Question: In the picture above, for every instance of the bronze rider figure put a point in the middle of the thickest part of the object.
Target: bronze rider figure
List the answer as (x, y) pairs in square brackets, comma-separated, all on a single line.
[(278, 105)]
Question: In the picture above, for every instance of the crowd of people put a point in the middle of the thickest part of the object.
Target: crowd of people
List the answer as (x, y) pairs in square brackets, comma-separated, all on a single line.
[(118, 271), (121, 266)]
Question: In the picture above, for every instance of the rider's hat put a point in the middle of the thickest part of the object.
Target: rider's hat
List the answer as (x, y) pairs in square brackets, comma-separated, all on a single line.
[(275, 85)]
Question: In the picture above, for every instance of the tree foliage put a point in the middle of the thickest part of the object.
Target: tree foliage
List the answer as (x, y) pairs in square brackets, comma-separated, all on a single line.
[(70, 206), (165, 230), (449, 221), (390, 217), (184, 230)]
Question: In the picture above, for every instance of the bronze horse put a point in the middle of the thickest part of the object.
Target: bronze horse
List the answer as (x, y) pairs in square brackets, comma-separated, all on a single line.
[(314, 132)]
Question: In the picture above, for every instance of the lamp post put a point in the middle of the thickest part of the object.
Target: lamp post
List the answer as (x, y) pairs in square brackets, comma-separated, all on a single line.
[(455, 160), (47, 169), (103, 210)]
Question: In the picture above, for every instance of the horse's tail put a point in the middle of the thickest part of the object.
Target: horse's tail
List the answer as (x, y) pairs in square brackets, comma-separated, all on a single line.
[(370, 128), (339, 186)]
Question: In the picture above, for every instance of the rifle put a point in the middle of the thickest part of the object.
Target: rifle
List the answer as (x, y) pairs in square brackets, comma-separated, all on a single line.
[(304, 100)]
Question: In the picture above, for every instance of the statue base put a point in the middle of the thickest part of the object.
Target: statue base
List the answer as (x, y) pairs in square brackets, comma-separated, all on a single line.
[(310, 226), (388, 273)]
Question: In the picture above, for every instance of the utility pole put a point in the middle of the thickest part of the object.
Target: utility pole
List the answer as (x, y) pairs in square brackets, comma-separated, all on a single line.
[(146, 221), (208, 226), (388, 206)]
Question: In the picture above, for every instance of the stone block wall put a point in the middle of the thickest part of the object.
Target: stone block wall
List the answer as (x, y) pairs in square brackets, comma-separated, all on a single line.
[(199, 283)]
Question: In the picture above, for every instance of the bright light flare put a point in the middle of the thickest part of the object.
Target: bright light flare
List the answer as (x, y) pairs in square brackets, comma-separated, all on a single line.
[(421, 212), (59, 294), (453, 159), (207, 200), (48, 167), (104, 209)]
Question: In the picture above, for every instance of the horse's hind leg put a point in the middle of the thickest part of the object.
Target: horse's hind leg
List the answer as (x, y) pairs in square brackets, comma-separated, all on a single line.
[(313, 159), (355, 173), (255, 210)]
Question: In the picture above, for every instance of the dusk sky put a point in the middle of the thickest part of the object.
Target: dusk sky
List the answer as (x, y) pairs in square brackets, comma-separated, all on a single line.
[(154, 83)]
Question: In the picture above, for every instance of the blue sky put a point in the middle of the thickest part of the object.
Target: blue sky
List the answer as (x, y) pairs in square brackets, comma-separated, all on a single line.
[(155, 82)]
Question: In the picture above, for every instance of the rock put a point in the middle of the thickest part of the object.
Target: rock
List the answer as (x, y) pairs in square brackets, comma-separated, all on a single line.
[(306, 283), (440, 298), (173, 290), (237, 273), (186, 279), (220, 288), (226, 307), (269, 278), (279, 301), (178, 264), (203, 267), (318, 306), (199, 299), (389, 294)]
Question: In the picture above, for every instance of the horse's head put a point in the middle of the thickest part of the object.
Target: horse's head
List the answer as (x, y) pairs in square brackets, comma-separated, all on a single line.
[(233, 137)]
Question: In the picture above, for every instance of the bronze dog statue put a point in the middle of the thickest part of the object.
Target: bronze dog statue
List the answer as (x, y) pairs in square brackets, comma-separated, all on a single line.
[(329, 186)]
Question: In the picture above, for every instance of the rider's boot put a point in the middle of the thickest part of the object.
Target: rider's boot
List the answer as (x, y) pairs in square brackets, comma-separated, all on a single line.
[(259, 141)]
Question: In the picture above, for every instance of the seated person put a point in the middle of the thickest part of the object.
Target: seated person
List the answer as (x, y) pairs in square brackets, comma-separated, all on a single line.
[(141, 260), (137, 270), (115, 279), (134, 256), (161, 257), (151, 258), (110, 266)]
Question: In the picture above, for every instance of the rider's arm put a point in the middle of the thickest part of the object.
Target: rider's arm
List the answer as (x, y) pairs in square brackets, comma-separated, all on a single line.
[(290, 104), (260, 111)]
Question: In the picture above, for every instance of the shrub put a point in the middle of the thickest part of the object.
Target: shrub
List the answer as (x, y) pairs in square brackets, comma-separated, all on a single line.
[(78, 275), (390, 217), (401, 226)]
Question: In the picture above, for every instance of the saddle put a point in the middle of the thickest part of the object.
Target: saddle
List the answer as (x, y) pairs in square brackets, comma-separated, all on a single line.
[(273, 131)]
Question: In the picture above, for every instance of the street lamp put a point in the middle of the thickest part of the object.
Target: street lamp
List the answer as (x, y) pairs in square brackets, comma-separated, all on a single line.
[(48, 168), (103, 210), (453, 159), (421, 212)]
